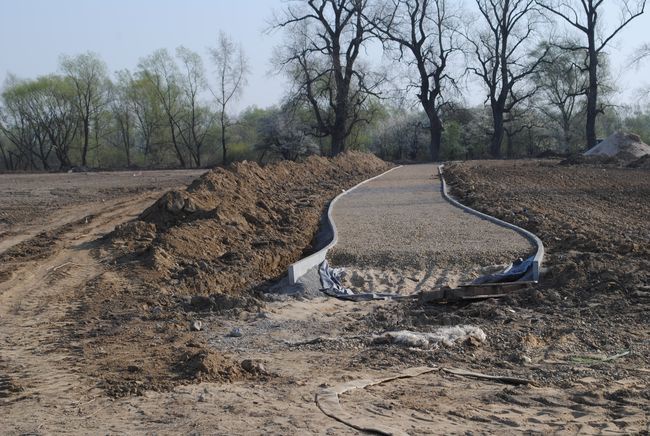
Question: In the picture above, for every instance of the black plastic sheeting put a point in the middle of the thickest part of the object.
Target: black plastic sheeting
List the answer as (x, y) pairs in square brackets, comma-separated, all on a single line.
[(330, 279), (331, 284), (518, 270)]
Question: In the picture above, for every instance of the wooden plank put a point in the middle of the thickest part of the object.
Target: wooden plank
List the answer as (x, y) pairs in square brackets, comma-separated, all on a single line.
[(471, 293)]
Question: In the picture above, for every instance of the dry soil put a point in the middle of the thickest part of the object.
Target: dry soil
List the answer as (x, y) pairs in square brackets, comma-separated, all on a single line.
[(581, 337)]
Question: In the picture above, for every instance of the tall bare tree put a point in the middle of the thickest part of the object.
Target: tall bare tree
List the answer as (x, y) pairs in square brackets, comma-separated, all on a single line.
[(231, 71), (161, 73), (427, 36), (87, 72), (196, 120), (562, 81), (585, 17), (18, 123), (503, 62), (326, 38)]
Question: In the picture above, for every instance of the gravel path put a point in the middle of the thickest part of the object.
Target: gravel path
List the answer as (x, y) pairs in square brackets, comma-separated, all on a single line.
[(401, 220)]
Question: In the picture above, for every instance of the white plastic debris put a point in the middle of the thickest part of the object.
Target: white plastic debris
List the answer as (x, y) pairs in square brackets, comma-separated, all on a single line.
[(447, 336)]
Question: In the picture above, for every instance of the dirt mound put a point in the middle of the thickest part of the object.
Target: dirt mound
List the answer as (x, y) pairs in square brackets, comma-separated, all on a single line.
[(234, 228), (205, 248), (624, 146), (212, 367), (597, 159), (551, 154), (642, 162)]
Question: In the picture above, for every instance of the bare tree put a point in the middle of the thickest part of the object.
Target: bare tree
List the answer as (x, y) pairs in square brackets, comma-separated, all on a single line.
[(283, 132), (232, 69), (18, 123), (161, 72), (87, 72), (196, 120), (122, 109), (427, 35), (40, 116), (585, 17), (57, 115), (147, 110), (326, 38), (503, 58), (562, 81)]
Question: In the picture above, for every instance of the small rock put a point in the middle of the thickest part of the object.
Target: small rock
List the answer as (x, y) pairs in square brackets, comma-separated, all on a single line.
[(253, 366), (235, 333), (196, 326), (200, 302)]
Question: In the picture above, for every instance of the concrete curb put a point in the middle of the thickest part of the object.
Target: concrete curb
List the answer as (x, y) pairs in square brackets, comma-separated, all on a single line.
[(539, 255), (300, 268)]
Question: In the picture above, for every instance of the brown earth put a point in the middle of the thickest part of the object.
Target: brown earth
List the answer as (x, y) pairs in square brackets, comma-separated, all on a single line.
[(594, 295), (87, 323), (205, 248)]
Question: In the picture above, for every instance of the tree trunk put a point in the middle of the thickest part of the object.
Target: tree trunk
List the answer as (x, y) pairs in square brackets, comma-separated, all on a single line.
[(337, 144), (510, 148), (179, 155), (339, 129), (592, 98), (224, 150), (592, 91), (497, 135), (435, 128), (84, 151)]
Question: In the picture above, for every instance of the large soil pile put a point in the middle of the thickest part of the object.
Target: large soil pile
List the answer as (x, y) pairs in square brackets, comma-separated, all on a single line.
[(207, 247), (234, 228), (623, 146)]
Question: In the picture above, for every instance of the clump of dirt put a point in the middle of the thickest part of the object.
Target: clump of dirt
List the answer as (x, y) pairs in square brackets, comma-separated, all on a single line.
[(581, 159), (209, 366), (642, 162), (205, 248)]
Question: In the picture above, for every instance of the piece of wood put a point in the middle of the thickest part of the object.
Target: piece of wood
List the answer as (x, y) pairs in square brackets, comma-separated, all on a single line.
[(475, 292), (327, 400), (499, 378)]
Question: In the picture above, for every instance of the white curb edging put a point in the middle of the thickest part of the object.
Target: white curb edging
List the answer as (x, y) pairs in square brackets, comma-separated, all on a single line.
[(300, 268), (539, 255)]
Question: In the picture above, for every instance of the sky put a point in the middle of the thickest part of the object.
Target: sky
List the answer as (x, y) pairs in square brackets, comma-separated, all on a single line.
[(34, 33)]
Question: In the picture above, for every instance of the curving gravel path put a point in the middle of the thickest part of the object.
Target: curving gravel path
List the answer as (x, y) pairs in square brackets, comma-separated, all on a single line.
[(401, 220)]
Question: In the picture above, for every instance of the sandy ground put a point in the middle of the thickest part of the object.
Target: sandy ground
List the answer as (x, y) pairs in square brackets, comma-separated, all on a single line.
[(559, 343), (398, 234), (32, 203)]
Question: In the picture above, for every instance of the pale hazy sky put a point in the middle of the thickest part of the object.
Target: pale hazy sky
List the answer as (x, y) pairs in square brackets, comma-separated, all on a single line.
[(33, 33)]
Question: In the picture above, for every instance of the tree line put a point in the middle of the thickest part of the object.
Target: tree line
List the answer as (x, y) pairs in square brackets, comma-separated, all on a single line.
[(539, 66)]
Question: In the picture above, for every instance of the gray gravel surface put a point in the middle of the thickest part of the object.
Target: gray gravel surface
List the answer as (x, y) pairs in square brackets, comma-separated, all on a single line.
[(401, 220)]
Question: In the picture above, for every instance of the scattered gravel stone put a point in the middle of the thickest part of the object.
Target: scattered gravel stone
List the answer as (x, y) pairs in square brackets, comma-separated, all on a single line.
[(235, 333), (252, 366)]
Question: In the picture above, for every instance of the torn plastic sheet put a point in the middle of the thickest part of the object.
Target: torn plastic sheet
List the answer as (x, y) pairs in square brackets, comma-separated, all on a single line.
[(518, 270), (330, 279)]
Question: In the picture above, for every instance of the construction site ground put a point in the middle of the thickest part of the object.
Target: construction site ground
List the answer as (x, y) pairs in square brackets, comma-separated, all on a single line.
[(74, 289)]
